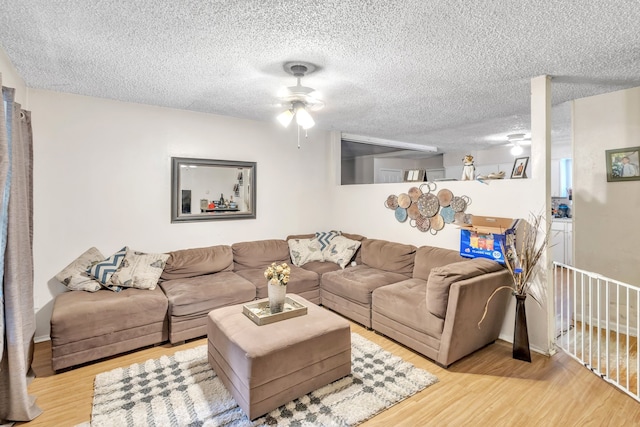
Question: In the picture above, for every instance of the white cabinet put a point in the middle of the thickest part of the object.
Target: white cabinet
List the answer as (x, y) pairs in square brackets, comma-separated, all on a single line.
[(562, 241)]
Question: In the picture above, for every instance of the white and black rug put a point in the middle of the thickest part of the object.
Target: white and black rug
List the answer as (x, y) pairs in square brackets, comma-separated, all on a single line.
[(183, 390)]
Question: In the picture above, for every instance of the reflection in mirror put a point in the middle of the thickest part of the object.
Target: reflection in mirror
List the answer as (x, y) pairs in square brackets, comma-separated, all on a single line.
[(205, 190)]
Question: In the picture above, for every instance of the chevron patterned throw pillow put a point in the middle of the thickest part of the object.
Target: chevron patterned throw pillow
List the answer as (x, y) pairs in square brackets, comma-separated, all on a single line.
[(103, 271), (325, 237)]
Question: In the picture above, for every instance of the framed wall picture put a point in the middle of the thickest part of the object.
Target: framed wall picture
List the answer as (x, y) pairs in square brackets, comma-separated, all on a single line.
[(414, 175), (623, 164), (519, 168)]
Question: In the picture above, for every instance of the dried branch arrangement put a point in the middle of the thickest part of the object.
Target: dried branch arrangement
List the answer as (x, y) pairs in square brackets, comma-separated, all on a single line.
[(521, 258)]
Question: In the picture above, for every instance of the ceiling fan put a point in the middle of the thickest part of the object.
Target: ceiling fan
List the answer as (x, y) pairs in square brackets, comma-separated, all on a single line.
[(516, 141), (298, 99)]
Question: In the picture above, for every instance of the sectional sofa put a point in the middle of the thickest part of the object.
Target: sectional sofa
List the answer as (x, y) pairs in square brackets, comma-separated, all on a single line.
[(429, 299)]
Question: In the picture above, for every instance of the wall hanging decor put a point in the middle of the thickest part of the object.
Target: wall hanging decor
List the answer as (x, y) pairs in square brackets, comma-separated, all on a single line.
[(428, 211), (623, 164)]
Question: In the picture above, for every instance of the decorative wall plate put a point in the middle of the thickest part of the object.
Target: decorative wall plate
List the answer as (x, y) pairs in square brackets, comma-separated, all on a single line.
[(413, 211), (401, 214), (414, 193), (448, 214), (404, 201), (422, 223), (391, 202), (444, 197), (459, 203), (437, 224), (428, 205)]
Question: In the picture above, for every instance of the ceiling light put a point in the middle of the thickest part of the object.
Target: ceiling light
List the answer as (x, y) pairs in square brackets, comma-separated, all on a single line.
[(517, 149), (303, 118), (285, 117), (301, 99)]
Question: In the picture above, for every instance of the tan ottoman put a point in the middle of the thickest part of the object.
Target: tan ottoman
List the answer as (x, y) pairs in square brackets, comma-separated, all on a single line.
[(267, 366)]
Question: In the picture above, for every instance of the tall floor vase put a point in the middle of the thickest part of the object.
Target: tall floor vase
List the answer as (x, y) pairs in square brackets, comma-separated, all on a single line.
[(521, 349)]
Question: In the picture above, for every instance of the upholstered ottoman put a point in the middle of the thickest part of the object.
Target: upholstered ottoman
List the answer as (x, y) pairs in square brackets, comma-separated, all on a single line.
[(267, 366)]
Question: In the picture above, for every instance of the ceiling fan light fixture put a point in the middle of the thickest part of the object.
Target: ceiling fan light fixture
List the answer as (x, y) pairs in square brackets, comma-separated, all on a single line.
[(285, 117), (303, 118), (517, 149)]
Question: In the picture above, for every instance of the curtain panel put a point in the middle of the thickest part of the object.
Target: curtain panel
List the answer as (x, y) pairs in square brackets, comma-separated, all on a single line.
[(17, 317)]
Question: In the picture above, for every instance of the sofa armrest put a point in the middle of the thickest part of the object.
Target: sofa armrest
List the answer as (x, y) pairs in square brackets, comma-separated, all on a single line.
[(467, 298)]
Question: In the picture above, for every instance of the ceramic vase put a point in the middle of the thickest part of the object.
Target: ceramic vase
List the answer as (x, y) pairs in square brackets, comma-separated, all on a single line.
[(276, 292), (521, 349)]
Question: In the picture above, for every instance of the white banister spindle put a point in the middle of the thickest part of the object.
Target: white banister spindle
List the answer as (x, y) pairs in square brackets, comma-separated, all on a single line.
[(627, 333)]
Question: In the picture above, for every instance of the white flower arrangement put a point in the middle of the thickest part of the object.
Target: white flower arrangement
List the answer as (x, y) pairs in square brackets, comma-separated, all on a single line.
[(278, 273)]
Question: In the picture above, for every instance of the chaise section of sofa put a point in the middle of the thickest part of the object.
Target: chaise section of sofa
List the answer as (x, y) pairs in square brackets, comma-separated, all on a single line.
[(252, 258), (89, 326), (200, 280), (437, 311), (349, 291)]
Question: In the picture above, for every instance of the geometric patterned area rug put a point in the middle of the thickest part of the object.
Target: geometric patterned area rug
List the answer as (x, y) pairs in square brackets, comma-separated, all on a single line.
[(183, 390)]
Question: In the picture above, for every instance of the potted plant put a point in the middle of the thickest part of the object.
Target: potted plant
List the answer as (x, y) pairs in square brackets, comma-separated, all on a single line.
[(278, 277)]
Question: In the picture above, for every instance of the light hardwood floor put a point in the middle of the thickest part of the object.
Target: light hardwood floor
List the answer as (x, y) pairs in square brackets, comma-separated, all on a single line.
[(488, 388)]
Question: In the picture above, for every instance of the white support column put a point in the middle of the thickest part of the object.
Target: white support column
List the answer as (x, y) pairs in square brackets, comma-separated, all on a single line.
[(541, 171)]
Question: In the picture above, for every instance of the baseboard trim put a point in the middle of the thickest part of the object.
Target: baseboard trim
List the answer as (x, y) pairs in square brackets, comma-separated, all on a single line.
[(42, 338), (509, 339)]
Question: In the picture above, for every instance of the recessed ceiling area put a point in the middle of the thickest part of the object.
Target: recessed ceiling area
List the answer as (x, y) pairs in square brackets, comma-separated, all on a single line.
[(454, 75)]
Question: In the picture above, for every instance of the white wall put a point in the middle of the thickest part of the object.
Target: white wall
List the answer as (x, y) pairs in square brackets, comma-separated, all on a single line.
[(360, 209), (102, 178), (606, 233), (11, 78), (486, 161)]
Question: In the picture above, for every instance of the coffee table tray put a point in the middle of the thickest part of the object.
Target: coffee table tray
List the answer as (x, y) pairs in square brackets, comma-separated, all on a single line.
[(258, 311)]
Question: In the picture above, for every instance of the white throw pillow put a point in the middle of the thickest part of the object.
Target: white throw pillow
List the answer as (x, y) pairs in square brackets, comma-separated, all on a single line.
[(75, 277), (139, 270), (303, 251), (341, 250)]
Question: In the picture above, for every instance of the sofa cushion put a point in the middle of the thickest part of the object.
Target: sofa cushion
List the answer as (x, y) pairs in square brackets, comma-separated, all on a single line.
[(341, 250), (301, 280), (195, 296), (321, 267), (259, 253), (389, 256), (357, 283), (75, 277), (405, 302), (139, 270), (303, 251), (428, 257), (441, 279), (75, 318), (197, 262)]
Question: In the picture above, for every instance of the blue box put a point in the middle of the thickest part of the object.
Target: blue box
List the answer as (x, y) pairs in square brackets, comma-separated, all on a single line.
[(485, 237)]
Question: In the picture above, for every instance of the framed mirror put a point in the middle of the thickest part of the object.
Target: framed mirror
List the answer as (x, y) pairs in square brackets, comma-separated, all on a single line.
[(207, 190)]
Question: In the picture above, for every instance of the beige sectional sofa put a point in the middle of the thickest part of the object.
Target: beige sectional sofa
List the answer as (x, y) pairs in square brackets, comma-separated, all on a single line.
[(429, 299)]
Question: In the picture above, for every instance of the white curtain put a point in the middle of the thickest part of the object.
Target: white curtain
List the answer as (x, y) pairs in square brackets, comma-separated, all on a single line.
[(17, 318)]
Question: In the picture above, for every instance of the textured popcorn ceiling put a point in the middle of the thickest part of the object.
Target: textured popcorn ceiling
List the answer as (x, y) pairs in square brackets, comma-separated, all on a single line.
[(453, 74)]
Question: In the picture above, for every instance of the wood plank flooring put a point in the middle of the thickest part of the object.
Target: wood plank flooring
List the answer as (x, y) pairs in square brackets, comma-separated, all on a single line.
[(486, 388)]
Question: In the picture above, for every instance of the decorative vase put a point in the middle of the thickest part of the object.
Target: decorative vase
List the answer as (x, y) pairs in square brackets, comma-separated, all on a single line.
[(520, 334), (277, 292)]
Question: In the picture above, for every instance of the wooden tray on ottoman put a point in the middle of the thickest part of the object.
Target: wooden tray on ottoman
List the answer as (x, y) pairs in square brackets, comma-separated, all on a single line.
[(258, 311)]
